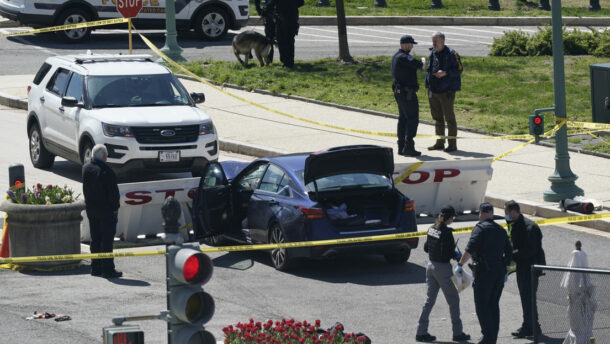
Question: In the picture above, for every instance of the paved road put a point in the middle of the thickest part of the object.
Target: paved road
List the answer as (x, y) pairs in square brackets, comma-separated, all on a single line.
[(364, 293), (24, 54)]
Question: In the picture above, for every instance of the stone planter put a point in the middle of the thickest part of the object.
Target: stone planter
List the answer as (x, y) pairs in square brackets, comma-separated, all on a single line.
[(44, 230)]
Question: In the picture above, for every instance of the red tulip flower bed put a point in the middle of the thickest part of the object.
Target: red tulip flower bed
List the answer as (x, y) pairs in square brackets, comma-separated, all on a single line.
[(288, 332)]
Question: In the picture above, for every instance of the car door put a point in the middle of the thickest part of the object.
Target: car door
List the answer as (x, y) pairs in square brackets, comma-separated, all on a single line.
[(212, 213), (68, 116), (264, 203), (51, 103), (244, 186)]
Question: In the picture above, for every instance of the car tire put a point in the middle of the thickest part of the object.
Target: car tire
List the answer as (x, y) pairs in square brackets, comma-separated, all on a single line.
[(212, 24), (39, 155), (398, 258), (279, 256), (73, 16), (85, 151)]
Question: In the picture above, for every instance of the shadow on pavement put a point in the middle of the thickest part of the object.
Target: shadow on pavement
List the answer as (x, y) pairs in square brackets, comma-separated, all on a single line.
[(68, 169), (81, 270), (128, 282)]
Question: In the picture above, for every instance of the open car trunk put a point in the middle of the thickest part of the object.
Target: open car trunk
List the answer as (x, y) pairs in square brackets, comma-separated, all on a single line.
[(363, 210)]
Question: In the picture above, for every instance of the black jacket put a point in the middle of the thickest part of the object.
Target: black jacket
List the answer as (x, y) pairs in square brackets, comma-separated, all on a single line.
[(526, 238), (489, 245), (449, 61), (440, 244), (100, 188), (404, 70)]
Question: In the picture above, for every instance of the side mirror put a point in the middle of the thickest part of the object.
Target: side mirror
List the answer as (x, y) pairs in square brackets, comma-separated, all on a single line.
[(198, 97), (69, 102)]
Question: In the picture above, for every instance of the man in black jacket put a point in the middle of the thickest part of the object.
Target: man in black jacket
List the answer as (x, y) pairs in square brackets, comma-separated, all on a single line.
[(287, 26), (440, 246), (526, 238), (267, 15), (102, 203), (405, 86), (491, 251), (443, 79)]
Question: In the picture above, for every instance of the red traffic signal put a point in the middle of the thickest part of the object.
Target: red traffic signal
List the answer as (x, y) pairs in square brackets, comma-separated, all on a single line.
[(537, 120), (536, 125)]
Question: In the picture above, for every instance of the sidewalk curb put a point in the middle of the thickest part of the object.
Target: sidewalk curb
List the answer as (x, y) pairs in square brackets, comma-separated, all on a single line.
[(444, 20), (527, 207)]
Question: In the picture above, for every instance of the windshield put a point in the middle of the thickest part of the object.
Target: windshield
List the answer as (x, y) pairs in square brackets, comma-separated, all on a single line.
[(347, 181), (135, 90)]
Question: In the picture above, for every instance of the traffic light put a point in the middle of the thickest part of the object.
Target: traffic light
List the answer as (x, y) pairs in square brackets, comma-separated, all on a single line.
[(123, 335), (189, 306), (536, 125)]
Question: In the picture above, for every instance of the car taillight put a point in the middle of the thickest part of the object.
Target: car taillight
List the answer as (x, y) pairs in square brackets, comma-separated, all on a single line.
[(312, 213), (29, 88), (410, 205)]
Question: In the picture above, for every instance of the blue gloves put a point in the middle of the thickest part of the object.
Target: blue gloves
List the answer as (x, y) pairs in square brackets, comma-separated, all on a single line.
[(458, 271), (458, 254)]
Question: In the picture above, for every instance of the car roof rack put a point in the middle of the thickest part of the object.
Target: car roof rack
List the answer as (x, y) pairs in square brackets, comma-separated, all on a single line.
[(80, 59)]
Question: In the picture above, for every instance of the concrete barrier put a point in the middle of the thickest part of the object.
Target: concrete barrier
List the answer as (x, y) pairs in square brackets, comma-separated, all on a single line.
[(460, 183)]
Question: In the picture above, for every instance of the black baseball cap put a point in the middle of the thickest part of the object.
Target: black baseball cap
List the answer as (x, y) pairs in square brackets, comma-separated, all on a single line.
[(486, 207), (407, 39), (447, 211)]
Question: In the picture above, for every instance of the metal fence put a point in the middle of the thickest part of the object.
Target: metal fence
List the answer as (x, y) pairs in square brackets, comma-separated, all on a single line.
[(572, 303)]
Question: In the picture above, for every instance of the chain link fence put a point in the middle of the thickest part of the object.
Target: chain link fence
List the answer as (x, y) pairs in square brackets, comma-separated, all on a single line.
[(573, 305)]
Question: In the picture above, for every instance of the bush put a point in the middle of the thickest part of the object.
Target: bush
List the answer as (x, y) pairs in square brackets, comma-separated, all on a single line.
[(541, 43), (580, 43), (603, 48), (513, 43)]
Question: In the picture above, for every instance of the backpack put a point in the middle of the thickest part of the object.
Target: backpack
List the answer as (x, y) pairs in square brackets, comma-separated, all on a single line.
[(577, 206)]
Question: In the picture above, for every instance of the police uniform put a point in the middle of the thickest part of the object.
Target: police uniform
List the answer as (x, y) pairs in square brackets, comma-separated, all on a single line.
[(267, 14), (440, 246), (526, 237), (405, 86), (286, 26), (491, 252)]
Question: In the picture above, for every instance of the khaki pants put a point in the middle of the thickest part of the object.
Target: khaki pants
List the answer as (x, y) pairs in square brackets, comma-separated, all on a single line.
[(441, 108)]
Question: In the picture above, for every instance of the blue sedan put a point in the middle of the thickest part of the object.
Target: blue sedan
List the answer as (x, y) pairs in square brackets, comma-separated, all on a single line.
[(342, 192)]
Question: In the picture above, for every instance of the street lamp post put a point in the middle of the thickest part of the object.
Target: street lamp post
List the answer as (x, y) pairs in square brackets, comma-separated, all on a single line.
[(171, 47), (562, 180)]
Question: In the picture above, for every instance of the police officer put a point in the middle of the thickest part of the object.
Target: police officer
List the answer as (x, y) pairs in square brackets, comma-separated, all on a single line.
[(440, 246), (526, 237), (102, 204), (266, 14), (286, 27), (491, 252), (443, 79), (405, 86)]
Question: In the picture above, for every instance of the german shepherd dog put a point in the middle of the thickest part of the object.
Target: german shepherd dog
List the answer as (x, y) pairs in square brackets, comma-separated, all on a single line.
[(245, 41)]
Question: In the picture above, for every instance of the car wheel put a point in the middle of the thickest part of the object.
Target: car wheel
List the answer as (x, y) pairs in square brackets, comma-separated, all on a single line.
[(40, 156), (212, 24), (399, 257), (279, 256), (85, 151), (73, 16)]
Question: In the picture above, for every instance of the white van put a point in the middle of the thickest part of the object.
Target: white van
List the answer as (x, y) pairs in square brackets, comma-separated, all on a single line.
[(209, 18)]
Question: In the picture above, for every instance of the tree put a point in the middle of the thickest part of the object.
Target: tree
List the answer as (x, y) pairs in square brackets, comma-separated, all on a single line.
[(344, 55)]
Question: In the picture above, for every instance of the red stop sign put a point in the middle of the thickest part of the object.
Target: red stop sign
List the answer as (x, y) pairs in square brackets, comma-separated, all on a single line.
[(129, 8)]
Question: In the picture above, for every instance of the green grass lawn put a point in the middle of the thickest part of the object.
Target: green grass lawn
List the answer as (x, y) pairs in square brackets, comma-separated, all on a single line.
[(498, 93), (451, 8)]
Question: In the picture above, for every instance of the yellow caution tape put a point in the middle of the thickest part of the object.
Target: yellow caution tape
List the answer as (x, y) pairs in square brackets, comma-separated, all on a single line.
[(399, 236), (597, 137), (69, 27), (407, 172), (561, 123), (586, 125)]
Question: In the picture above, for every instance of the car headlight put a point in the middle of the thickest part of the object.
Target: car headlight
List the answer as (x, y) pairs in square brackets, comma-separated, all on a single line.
[(116, 130), (206, 128)]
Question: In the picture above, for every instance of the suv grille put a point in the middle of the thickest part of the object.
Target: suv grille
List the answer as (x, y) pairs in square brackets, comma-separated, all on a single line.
[(185, 133)]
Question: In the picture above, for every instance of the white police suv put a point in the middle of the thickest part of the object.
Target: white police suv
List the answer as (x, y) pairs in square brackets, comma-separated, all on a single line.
[(209, 18), (137, 108)]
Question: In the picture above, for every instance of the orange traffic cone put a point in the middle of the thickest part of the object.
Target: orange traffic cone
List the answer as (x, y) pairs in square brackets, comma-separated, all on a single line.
[(4, 250)]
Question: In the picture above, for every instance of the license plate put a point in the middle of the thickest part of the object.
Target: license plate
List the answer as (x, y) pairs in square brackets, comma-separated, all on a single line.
[(173, 156)]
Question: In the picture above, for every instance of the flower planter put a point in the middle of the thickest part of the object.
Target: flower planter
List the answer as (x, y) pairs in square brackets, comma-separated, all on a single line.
[(43, 230)]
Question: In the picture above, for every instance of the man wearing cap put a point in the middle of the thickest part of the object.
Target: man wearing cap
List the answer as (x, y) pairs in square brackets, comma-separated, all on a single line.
[(440, 246), (491, 252), (405, 86), (443, 79)]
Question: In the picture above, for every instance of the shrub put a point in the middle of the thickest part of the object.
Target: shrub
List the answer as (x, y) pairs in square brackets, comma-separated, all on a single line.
[(603, 48), (513, 43), (541, 43)]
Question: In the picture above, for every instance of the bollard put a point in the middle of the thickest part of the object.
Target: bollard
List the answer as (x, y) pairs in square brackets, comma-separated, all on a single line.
[(16, 172), (170, 210)]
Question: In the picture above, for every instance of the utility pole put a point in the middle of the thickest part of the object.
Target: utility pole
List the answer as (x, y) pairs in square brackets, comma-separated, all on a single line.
[(562, 180)]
